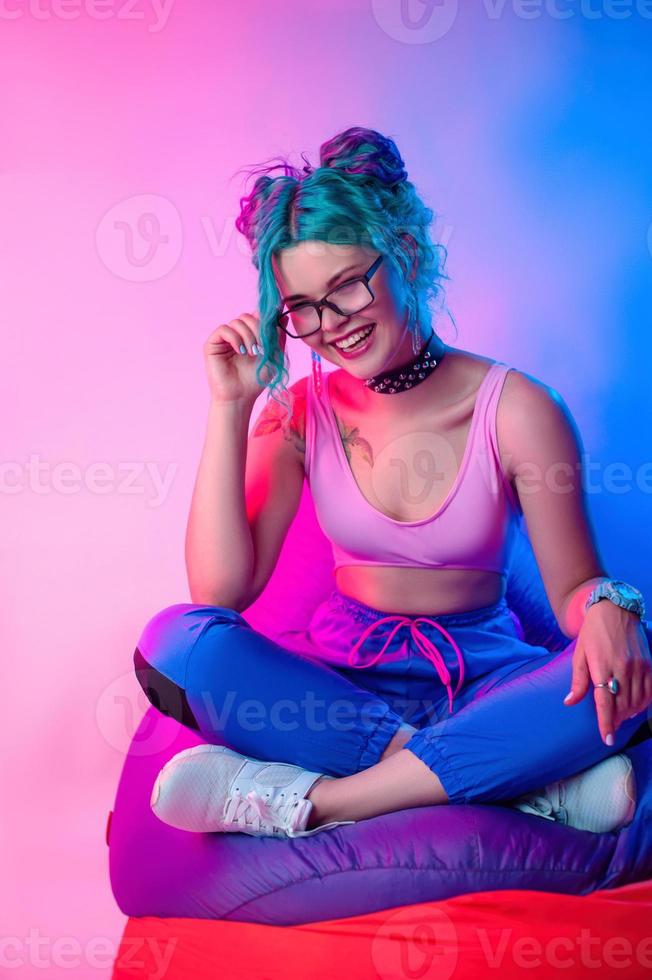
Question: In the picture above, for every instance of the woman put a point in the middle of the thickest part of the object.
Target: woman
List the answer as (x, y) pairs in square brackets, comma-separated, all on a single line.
[(421, 458)]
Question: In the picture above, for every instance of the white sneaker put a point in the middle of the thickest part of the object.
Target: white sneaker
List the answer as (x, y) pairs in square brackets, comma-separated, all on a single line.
[(213, 788), (600, 799)]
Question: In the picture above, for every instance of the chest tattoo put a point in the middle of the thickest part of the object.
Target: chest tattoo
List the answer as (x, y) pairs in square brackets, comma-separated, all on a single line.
[(351, 438)]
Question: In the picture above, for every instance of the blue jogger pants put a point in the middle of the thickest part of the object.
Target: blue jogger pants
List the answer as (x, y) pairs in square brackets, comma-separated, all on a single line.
[(503, 730)]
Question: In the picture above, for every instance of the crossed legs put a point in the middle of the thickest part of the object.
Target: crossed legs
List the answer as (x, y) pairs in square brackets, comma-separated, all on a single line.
[(397, 782), (510, 732)]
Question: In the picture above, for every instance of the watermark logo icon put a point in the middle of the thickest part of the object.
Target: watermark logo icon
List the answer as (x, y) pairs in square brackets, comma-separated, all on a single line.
[(415, 21), (140, 239), (412, 944), (125, 722)]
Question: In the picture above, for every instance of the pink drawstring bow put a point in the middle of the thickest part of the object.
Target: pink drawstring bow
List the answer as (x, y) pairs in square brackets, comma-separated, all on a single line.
[(427, 648)]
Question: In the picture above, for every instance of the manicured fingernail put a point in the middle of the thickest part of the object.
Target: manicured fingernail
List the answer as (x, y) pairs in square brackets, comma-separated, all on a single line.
[(609, 739), (569, 695), (243, 349), (256, 349)]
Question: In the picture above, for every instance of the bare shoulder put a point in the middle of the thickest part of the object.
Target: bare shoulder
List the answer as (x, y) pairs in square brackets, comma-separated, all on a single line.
[(286, 418), (532, 416), (524, 392)]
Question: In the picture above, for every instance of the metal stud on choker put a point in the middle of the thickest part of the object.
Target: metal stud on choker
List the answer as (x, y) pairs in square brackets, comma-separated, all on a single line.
[(407, 375)]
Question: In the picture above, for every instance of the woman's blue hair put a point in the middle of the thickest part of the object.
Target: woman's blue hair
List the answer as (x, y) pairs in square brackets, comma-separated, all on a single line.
[(358, 195)]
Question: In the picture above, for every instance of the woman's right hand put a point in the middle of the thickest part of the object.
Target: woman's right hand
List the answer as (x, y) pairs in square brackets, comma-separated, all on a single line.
[(232, 374)]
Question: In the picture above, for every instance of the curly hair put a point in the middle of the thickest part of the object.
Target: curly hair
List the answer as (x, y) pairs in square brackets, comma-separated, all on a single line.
[(359, 194)]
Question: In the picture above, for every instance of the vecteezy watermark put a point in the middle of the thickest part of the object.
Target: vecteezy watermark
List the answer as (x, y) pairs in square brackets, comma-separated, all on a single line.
[(140, 238), (411, 944), (122, 720), (414, 469), (586, 950), (155, 13), (425, 943), (138, 478), (121, 708), (568, 9), (309, 713), (43, 952), (595, 477), (415, 21), (425, 21)]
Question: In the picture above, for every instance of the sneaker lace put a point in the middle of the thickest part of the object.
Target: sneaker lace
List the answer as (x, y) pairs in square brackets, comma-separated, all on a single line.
[(255, 811)]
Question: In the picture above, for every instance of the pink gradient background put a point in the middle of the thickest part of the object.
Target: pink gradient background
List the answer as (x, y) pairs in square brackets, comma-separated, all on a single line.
[(530, 138)]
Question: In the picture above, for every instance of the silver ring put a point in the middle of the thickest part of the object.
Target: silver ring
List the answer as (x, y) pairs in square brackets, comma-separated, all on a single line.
[(612, 684)]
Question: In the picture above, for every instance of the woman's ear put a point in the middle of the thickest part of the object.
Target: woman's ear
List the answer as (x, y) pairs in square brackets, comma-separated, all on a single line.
[(412, 250)]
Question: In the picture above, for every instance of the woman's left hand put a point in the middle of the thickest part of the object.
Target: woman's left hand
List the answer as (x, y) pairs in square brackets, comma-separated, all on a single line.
[(612, 643)]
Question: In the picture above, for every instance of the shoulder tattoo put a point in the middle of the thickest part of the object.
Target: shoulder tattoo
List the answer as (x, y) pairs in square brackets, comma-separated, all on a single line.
[(273, 418)]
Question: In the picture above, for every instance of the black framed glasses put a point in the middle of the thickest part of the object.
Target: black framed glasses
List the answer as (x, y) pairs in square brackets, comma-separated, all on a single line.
[(346, 299)]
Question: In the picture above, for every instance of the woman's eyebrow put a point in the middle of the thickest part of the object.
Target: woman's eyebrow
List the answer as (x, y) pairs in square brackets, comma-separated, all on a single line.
[(331, 282)]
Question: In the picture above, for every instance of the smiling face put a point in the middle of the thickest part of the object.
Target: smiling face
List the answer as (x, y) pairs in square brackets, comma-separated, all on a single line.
[(309, 270)]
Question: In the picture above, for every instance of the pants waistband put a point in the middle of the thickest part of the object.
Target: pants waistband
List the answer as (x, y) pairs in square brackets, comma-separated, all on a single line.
[(363, 613)]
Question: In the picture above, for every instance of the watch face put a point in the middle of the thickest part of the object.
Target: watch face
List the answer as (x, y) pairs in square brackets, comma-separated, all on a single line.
[(621, 594), (625, 590)]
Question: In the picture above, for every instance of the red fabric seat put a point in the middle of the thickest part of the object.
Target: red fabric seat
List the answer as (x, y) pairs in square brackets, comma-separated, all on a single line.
[(510, 934)]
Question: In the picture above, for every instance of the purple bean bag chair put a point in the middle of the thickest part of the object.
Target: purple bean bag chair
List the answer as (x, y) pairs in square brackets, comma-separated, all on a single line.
[(419, 855)]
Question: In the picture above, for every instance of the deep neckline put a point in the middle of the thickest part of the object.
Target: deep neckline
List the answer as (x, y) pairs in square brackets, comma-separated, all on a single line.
[(460, 473)]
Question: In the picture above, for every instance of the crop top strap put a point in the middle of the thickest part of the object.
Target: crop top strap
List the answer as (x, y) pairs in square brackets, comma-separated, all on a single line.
[(310, 409), (492, 398)]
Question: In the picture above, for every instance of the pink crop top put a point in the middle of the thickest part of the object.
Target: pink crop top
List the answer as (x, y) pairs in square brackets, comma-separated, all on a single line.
[(474, 526)]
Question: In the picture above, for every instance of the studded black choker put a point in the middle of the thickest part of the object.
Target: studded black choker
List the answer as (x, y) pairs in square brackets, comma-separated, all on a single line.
[(407, 375)]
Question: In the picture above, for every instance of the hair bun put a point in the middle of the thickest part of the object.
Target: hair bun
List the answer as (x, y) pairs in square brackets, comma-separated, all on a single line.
[(366, 152)]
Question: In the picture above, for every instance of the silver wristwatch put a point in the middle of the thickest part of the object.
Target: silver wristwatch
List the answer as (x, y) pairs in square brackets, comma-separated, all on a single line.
[(620, 593)]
